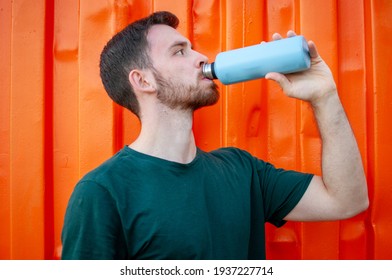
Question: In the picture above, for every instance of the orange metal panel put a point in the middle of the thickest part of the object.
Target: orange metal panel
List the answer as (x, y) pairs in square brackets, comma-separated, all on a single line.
[(379, 16), (352, 87), (96, 110), (65, 110), (318, 21), (206, 38), (27, 117), (5, 96), (57, 123), (254, 111), (281, 119), (233, 38), (243, 111)]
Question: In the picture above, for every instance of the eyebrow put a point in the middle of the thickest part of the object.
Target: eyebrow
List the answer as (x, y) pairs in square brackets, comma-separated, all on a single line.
[(182, 43)]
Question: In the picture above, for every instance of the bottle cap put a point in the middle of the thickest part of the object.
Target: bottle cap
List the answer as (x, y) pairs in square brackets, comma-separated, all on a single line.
[(208, 70)]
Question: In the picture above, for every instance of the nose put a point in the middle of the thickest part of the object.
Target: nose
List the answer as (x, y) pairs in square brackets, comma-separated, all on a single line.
[(200, 59)]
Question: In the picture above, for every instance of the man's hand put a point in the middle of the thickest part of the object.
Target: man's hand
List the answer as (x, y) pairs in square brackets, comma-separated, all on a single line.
[(311, 85)]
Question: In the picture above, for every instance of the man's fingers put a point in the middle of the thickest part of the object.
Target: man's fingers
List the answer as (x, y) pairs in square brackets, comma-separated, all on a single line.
[(276, 36), (280, 79), (312, 50), (291, 33)]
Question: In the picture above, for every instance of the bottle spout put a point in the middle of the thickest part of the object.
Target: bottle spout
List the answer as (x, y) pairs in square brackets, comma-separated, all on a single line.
[(208, 71)]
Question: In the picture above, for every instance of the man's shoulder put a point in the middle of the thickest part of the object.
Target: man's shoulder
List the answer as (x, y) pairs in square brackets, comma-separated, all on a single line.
[(110, 169), (231, 153), (234, 157)]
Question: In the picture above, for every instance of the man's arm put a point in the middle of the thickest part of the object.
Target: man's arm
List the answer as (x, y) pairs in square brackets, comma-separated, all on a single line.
[(92, 227), (341, 192)]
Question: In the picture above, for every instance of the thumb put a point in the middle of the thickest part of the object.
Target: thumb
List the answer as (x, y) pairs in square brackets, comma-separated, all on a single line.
[(280, 79)]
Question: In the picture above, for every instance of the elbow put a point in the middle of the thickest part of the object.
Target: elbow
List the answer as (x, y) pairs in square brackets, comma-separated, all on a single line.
[(364, 202), (353, 211), (360, 207), (357, 206)]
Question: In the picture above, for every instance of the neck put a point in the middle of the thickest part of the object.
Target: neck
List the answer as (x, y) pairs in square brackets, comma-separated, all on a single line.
[(168, 135)]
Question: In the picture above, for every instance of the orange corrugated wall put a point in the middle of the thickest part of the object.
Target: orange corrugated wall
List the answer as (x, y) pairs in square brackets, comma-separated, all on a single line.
[(56, 122)]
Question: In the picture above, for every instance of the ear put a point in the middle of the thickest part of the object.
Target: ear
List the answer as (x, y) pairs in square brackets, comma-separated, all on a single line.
[(141, 81)]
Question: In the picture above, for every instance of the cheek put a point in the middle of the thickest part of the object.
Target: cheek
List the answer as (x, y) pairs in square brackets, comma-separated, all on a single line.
[(178, 72), (182, 75)]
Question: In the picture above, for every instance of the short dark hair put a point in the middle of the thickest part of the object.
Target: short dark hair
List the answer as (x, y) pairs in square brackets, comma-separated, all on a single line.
[(128, 50)]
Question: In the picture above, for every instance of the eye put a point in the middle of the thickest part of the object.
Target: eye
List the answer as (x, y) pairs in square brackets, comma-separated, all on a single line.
[(180, 52)]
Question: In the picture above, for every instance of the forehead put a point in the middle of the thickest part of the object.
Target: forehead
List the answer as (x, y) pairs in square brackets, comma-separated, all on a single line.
[(161, 37)]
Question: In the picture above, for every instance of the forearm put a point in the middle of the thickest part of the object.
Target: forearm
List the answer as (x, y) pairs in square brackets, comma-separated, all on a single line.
[(342, 169)]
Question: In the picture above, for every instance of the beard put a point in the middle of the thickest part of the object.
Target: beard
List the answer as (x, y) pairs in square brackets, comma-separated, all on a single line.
[(185, 97)]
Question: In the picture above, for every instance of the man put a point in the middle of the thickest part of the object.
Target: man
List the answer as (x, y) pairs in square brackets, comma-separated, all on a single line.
[(163, 198)]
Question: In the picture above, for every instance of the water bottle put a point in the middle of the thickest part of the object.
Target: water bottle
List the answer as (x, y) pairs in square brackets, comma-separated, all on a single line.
[(284, 56)]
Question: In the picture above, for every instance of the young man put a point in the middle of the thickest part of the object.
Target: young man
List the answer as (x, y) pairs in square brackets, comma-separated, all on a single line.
[(163, 198)]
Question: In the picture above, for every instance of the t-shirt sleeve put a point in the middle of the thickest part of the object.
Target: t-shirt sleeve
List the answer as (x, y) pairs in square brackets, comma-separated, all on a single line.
[(281, 190), (91, 224)]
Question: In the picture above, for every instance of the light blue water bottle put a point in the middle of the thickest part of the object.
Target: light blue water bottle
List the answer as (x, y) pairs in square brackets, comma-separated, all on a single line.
[(284, 56)]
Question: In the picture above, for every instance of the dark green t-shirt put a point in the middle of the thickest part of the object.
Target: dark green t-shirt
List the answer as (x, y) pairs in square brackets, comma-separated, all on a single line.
[(135, 206)]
